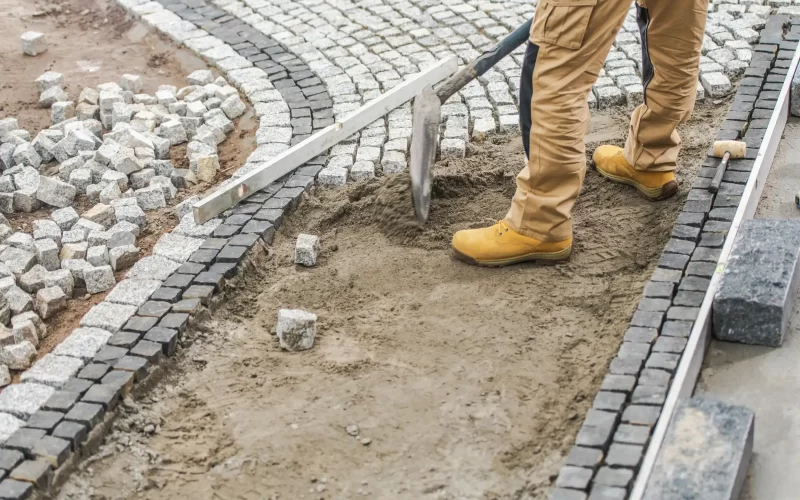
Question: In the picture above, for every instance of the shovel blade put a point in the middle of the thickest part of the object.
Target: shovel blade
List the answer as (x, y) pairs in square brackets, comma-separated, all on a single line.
[(427, 112)]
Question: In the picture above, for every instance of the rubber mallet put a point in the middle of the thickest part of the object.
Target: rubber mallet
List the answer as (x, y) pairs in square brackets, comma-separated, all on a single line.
[(725, 150)]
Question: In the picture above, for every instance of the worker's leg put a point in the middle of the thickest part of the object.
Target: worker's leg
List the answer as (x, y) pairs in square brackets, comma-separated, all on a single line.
[(573, 38), (672, 36)]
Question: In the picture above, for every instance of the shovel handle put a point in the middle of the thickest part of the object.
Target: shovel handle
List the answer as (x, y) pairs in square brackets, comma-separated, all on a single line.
[(484, 62)]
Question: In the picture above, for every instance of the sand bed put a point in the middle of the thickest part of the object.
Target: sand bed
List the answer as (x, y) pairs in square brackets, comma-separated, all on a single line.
[(464, 383)]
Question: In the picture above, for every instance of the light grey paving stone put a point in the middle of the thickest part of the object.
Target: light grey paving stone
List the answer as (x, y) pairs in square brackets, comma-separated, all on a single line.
[(755, 297), (188, 227), (83, 343), (55, 192), (99, 279), (23, 400), (18, 261), (296, 329), (706, 452), (133, 291), (123, 257), (130, 213), (108, 316), (9, 424), (52, 370), (18, 301), (176, 247), (306, 250), (61, 278), (49, 301), (153, 267), (18, 356), (65, 218)]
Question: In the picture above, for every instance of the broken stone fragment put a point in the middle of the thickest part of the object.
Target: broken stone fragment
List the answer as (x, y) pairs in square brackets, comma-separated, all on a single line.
[(296, 329), (306, 250)]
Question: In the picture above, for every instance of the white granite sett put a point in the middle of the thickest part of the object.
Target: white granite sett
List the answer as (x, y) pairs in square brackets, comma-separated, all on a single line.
[(108, 316), (133, 292), (23, 400), (53, 370)]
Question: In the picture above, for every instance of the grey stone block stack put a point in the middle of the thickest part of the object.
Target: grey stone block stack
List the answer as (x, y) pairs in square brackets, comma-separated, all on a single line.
[(755, 296)]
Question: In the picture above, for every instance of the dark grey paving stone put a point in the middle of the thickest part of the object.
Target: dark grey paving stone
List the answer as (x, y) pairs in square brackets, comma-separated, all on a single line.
[(755, 296), (154, 308)]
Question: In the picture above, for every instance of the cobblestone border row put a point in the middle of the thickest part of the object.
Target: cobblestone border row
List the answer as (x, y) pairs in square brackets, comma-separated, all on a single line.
[(615, 434), (64, 398), (309, 105)]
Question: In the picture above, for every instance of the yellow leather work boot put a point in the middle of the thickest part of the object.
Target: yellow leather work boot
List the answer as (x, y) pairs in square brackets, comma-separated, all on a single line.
[(611, 163), (499, 245)]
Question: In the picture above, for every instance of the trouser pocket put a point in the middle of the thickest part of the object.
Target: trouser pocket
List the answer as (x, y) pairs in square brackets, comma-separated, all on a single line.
[(562, 22)]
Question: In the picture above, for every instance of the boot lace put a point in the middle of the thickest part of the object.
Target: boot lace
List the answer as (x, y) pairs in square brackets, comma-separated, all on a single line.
[(502, 227)]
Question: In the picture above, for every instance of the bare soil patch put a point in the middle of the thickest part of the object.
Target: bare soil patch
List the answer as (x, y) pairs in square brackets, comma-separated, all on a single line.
[(463, 382), (91, 42)]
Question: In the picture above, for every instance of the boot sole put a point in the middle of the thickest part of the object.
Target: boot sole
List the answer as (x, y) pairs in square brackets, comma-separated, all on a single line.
[(653, 194), (538, 257)]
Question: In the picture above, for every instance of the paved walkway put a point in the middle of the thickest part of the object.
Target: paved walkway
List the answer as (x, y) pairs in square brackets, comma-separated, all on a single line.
[(328, 57)]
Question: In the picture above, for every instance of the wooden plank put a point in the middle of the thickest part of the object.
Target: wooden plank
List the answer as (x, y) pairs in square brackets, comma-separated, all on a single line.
[(289, 160), (692, 360)]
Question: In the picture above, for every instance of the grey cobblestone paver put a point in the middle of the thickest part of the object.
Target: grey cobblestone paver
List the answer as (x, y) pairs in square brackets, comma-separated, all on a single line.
[(322, 59)]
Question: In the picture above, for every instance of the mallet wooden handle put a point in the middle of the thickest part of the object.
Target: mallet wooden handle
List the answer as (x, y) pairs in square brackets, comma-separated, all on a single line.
[(717, 179)]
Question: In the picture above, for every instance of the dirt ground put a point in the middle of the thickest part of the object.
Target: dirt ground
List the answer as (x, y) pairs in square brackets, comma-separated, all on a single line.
[(91, 42), (428, 379)]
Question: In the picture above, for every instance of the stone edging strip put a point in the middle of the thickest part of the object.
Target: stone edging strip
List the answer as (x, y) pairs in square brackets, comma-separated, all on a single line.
[(617, 430), (49, 420)]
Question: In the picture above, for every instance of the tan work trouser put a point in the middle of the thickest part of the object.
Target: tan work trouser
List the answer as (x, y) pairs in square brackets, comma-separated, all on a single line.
[(574, 38)]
